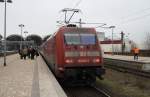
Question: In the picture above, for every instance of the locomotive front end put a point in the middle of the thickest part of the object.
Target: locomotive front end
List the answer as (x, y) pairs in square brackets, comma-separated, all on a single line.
[(82, 54)]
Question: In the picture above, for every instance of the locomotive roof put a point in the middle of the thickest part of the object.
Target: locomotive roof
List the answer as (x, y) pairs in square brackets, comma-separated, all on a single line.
[(77, 28)]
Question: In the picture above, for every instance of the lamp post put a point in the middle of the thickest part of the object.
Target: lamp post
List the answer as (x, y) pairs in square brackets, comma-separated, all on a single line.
[(8, 1), (21, 26), (112, 27), (25, 32)]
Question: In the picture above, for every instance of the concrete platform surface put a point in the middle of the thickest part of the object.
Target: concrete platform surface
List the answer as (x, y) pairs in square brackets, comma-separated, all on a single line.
[(142, 62), (27, 78), (128, 58)]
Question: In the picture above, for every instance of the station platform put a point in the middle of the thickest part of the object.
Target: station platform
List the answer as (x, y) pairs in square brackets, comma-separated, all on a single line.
[(128, 58), (142, 62), (27, 78)]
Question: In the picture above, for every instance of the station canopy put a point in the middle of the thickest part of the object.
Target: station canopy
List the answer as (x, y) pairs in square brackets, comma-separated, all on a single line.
[(36, 38), (14, 42), (14, 37)]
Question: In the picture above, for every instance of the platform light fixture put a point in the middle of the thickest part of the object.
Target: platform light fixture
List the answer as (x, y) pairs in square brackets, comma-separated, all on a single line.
[(112, 27), (21, 26), (25, 32)]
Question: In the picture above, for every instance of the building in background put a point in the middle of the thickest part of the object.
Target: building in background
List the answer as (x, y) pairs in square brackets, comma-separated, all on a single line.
[(106, 44), (101, 36)]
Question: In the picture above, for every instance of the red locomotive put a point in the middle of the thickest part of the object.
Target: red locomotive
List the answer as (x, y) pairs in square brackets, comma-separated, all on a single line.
[(74, 54)]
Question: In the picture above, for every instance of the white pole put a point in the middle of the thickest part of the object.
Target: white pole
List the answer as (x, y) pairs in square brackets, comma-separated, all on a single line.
[(5, 35)]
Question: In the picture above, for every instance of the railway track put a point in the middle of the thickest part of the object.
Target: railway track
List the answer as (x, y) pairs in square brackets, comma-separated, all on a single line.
[(133, 71), (85, 91)]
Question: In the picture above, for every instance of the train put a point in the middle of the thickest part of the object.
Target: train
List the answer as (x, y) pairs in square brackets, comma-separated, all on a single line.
[(74, 54)]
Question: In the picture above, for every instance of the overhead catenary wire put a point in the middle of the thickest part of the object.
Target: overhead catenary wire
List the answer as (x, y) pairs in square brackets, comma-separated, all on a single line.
[(135, 13), (131, 18), (77, 4), (136, 18), (62, 15)]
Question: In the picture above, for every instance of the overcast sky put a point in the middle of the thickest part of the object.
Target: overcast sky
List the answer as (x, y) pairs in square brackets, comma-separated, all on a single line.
[(40, 16)]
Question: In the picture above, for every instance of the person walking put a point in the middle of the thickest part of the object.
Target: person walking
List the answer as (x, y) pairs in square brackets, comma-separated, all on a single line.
[(136, 53)]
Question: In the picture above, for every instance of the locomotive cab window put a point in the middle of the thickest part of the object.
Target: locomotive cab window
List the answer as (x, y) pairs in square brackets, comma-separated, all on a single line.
[(72, 39), (88, 39), (76, 39)]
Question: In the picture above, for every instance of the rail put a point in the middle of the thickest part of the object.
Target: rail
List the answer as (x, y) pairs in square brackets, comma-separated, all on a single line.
[(85, 91), (101, 91)]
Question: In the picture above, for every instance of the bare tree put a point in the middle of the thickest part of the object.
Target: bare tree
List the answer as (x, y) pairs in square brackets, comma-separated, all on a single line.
[(133, 44), (46, 37), (147, 42), (1, 42), (1, 37)]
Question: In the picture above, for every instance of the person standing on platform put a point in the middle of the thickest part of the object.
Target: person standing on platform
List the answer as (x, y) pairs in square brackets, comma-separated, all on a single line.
[(136, 53), (25, 52), (29, 53), (36, 52), (21, 53), (32, 53)]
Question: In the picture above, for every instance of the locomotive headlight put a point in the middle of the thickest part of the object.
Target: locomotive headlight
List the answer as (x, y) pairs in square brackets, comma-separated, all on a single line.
[(96, 60), (61, 69), (69, 61)]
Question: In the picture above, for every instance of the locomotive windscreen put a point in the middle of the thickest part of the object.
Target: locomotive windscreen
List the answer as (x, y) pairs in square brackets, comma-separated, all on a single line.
[(84, 39), (72, 39), (88, 39)]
